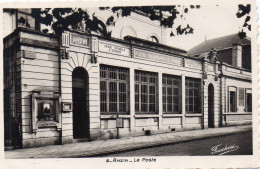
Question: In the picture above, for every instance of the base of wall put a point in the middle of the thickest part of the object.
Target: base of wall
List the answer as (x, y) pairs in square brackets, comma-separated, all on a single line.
[(237, 123), (67, 139), (112, 134), (39, 142)]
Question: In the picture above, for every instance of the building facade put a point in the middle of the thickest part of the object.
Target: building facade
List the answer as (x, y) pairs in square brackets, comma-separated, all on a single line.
[(83, 87)]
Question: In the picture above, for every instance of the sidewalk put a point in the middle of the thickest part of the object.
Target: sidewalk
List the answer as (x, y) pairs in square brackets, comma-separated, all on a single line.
[(95, 148)]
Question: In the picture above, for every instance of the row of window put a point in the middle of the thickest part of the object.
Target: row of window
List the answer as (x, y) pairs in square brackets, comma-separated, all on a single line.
[(115, 94), (244, 99)]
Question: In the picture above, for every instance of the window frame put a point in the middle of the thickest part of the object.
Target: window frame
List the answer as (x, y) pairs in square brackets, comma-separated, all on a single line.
[(138, 92), (248, 91), (187, 96), (154, 39), (108, 93), (39, 97), (232, 89), (165, 94)]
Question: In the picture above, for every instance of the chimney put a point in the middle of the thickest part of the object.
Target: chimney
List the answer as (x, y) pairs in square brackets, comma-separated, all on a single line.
[(237, 55)]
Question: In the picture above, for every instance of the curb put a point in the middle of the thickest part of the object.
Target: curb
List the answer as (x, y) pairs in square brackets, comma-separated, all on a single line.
[(157, 144)]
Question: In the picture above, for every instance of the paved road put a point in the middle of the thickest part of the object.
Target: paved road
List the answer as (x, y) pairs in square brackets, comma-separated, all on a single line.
[(237, 144)]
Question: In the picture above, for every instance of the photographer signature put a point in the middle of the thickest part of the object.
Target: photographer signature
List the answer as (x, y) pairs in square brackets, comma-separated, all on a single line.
[(223, 149)]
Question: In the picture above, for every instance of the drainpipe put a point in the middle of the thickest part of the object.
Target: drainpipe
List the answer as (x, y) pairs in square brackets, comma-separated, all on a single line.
[(221, 94), (202, 94), (59, 46)]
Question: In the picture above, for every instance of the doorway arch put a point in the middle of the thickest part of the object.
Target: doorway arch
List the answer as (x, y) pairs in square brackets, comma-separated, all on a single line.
[(211, 106), (80, 98)]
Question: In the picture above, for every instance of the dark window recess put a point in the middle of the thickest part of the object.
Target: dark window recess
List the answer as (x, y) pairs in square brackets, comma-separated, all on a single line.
[(232, 101), (171, 93), (114, 90), (248, 102), (146, 87), (193, 95)]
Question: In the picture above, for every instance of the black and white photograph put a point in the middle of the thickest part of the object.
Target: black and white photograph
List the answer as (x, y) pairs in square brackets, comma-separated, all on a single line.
[(130, 84)]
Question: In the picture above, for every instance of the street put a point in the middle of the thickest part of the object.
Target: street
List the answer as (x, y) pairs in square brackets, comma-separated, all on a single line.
[(236, 144)]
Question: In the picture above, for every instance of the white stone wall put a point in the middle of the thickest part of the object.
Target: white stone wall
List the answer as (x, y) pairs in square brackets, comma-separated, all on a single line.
[(42, 72)]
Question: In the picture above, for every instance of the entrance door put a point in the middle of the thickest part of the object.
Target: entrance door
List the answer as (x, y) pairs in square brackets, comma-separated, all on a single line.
[(80, 103), (211, 106)]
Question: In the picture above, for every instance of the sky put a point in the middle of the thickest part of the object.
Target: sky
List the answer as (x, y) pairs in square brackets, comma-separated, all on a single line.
[(212, 20)]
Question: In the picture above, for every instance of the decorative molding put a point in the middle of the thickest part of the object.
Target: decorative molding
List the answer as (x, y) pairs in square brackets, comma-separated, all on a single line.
[(158, 57), (79, 40), (114, 49), (193, 64), (94, 44), (40, 44)]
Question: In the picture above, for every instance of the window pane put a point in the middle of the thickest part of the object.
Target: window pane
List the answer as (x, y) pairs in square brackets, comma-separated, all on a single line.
[(164, 107), (169, 91), (103, 107), (164, 99), (136, 88), (103, 86), (144, 108), (169, 107), (176, 91), (152, 107), (232, 101), (152, 89), (136, 107), (122, 107), (164, 90), (122, 87), (103, 96)]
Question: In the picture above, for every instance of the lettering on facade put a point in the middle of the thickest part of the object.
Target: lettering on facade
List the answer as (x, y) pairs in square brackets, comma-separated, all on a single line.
[(157, 57), (193, 64), (79, 40), (108, 48)]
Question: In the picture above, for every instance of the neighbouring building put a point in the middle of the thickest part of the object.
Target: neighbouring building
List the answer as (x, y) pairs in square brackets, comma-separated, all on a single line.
[(84, 87)]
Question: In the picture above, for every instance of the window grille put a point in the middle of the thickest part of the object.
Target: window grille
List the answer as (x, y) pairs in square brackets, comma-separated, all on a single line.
[(114, 90), (146, 88), (171, 93), (232, 99), (193, 95)]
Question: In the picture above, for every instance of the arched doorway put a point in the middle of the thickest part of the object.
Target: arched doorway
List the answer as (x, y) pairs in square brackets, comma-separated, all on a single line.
[(80, 103), (211, 106)]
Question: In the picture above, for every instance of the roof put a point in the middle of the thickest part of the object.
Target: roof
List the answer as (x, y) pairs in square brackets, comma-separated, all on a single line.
[(218, 43)]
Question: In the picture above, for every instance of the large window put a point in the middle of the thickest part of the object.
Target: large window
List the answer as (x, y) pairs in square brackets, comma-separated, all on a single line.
[(114, 90), (146, 88), (171, 88), (232, 99), (193, 95)]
